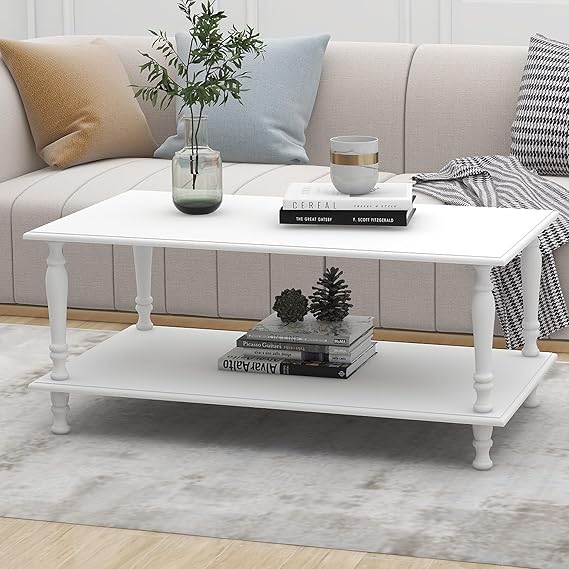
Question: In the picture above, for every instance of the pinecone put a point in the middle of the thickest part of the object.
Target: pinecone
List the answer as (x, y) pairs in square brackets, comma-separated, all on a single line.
[(291, 305), (330, 300)]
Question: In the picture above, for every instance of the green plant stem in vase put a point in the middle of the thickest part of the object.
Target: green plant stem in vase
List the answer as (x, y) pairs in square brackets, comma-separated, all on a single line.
[(196, 171), (211, 75)]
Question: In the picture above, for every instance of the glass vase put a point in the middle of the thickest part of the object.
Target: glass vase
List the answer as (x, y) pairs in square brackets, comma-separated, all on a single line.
[(197, 171)]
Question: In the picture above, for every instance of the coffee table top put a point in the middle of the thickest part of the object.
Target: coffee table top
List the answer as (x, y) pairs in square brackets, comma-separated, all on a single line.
[(443, 234)]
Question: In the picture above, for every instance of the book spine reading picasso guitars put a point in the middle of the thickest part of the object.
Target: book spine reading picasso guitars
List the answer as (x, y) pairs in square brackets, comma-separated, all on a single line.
[(345, 350)]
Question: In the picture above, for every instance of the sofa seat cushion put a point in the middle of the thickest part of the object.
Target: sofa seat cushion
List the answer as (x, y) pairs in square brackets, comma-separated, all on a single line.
[(102, 276)]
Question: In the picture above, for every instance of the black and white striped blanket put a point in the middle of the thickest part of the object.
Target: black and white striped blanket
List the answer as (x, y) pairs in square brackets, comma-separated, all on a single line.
[(502, 181)]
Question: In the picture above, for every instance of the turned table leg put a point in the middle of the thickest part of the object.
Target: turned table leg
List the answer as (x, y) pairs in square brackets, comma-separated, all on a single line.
[(531, 280), (483, 314), (56, 288), (482, 443), (143, 269), (60, 411), (483, 311)]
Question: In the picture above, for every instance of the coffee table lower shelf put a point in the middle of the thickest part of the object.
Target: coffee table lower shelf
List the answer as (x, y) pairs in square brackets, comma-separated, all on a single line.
[(403, 381)]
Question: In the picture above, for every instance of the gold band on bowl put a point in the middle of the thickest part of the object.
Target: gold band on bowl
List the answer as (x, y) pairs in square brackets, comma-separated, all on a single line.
[(354, 159)]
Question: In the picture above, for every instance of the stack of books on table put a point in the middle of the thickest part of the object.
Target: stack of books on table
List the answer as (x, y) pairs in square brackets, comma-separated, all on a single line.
[(390, 204), (310, 347)]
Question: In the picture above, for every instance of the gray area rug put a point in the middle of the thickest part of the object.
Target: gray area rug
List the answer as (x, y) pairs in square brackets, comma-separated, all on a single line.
[(320, 480)]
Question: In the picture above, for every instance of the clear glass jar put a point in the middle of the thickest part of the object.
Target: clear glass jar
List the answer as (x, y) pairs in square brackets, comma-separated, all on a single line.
[(197, 186)]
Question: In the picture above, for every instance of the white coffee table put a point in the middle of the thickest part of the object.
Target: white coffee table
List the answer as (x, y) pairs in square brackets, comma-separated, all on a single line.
[(404, 381)]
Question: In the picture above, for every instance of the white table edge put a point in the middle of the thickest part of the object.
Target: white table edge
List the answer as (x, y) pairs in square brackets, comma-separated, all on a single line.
[(529, 237), (53, 386), (36, 235), (530, 386), (46, 383)]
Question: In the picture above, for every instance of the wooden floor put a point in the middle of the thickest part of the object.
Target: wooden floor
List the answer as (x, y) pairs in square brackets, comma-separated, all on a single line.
[(28, 544)]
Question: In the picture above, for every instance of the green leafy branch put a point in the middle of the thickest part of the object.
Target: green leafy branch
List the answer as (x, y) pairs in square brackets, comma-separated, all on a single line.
[(213, 70)]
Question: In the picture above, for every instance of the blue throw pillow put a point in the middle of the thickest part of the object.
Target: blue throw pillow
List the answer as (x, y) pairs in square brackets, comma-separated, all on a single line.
[(269, 126)]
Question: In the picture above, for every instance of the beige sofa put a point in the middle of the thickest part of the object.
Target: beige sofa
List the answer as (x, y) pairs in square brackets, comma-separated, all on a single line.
[(428, 104)]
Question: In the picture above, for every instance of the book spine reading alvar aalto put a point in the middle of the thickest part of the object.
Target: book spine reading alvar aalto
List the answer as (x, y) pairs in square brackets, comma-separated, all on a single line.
[(280, 367), (235, 361)]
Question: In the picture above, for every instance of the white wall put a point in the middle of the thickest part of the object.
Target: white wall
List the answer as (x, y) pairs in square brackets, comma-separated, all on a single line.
[(418, 21)]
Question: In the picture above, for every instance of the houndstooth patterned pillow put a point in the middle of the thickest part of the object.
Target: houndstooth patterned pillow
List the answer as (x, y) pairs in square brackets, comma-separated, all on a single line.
[(540, 133)]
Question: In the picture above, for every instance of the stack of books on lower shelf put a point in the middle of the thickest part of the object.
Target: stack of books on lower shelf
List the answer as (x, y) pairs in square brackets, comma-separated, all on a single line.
[(390, 204), (310, 347)]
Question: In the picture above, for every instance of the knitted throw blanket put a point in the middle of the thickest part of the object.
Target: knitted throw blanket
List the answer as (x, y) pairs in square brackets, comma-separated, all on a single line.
[(502, 181)]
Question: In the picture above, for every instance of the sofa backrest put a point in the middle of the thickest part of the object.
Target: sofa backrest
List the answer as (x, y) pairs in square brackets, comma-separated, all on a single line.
[(362, 91), (461, 101), (427, 104)]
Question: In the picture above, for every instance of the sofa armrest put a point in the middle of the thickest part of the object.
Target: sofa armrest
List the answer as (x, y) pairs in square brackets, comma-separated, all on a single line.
[(17, 150)]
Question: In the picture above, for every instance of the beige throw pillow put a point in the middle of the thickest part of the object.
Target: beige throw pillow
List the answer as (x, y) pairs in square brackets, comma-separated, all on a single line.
[(78, 101)]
